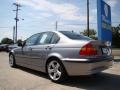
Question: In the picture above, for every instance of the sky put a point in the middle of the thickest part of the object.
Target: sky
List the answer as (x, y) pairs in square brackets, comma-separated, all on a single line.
[(41, 15)]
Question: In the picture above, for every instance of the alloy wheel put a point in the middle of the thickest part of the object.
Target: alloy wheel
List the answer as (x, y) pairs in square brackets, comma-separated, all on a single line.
[(11, 60), (54, 70)]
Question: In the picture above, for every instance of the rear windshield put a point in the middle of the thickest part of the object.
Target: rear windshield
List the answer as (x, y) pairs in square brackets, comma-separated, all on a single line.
[(75, 36)]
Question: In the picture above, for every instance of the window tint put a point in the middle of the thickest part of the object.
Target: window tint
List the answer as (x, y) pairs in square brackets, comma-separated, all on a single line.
[(45, 38), (32, 40), (75, 36), (55, 39)]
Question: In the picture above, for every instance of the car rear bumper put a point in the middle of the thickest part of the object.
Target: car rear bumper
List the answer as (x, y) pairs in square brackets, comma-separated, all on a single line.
[(78, 67)]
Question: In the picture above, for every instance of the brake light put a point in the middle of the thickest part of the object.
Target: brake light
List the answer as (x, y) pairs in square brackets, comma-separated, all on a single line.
[(88, 50)]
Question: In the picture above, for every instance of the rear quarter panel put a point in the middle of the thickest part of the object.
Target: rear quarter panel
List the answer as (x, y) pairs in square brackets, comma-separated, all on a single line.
[(68, 50)]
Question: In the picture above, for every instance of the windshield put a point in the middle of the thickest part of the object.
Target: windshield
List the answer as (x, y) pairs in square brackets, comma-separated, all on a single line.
[(75, 36)]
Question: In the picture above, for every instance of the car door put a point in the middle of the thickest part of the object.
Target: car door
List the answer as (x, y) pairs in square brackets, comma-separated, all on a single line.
[(24, 53), (41, 50)]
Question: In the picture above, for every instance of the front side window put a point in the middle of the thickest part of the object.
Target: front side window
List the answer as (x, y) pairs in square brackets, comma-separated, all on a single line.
[(32, 40)]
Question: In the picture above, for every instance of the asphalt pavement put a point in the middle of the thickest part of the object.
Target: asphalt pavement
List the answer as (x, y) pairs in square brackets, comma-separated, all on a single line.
[(26, 79)]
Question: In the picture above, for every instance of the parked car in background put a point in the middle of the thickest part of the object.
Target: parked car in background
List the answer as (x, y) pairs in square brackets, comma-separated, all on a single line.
[(10, 47), (4, 47), (62, 53)]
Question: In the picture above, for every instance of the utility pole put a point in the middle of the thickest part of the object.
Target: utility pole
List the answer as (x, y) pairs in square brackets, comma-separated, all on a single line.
[(14, 33), (88, 18), (56, 25), (16, 18)]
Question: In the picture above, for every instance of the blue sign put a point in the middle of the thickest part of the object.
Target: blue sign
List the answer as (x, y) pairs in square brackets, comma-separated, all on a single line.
[(104, 21)]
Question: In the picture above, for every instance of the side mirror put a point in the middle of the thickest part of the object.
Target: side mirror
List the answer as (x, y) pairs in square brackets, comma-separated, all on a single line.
[(24, 43), (20, 44)]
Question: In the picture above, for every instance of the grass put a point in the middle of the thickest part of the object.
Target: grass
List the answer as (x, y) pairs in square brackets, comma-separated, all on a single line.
[(115, 48), (116, 57)]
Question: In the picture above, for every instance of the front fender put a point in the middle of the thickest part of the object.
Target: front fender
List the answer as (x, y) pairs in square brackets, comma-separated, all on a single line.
[(11, 52)]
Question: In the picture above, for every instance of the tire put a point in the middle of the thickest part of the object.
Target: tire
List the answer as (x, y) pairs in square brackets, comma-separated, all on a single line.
[(56, 71), (12, 61)]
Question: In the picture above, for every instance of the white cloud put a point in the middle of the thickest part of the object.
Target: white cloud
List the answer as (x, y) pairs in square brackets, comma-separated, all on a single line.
[(40, 15), (6, 33), (64, 11), (46, 14), (112, 3)]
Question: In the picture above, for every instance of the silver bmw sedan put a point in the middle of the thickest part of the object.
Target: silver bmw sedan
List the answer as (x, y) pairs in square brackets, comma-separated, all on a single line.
[(62, 53)]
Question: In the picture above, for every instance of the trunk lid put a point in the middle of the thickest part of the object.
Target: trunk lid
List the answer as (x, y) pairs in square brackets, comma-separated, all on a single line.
[(102, 48)]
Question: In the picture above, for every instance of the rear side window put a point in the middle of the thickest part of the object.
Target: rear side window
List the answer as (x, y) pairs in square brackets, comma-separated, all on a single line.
[(55, 39), (45, 38), (75, 36)]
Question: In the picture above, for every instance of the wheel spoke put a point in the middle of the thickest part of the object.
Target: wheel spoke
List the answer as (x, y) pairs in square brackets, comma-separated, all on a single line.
[(52, 65), (57, 66), (11, 60), (54, 76), (51, 70), (58, 73)]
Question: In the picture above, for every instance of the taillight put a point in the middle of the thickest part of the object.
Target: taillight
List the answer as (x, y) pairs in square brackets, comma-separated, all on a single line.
[(88, 50)]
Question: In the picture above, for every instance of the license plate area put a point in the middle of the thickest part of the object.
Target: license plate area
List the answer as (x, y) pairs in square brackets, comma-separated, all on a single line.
[(106, 51)]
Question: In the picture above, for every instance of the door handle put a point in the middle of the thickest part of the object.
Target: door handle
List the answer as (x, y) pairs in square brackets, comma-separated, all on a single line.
[(30, 49), (48, 47)]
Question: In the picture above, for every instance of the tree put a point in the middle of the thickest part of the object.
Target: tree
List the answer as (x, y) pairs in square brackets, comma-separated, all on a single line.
[(7, 41), (92, 33), (116, 36), (19, 41)]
